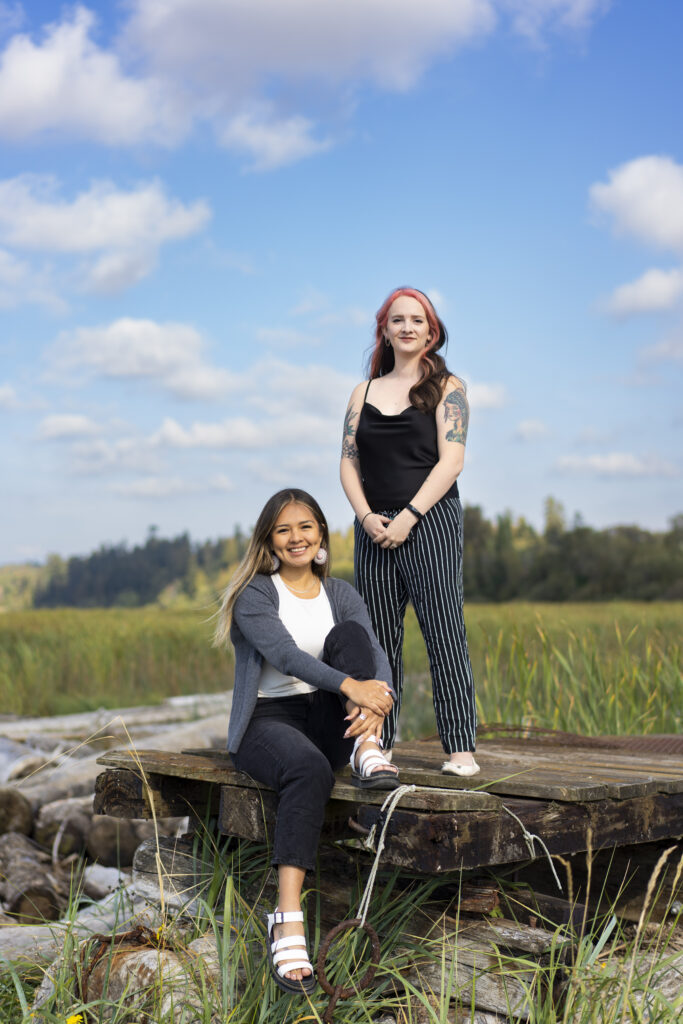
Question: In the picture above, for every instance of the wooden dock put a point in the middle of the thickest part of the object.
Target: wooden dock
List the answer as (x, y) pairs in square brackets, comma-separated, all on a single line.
[(570, 796)]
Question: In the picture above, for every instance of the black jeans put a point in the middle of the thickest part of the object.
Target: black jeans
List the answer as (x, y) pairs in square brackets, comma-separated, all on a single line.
[(295, 744)]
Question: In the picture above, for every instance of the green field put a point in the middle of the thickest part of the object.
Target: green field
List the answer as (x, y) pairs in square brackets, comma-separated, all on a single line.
[(593, 668)]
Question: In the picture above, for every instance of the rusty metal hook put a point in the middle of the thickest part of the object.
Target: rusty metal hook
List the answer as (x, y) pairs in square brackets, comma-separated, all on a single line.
[(336, 992)]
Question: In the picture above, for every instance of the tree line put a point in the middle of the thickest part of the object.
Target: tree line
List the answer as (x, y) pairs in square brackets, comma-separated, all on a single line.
[(505, 559)]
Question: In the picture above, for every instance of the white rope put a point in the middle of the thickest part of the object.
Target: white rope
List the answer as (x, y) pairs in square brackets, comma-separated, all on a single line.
[(389, 806), (530, 839)]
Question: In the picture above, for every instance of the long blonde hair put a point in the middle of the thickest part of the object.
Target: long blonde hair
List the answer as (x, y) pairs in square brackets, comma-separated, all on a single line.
[(259, 555)]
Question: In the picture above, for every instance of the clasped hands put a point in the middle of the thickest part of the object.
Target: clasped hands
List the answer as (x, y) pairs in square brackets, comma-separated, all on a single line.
[(389, 533), (369, 702)]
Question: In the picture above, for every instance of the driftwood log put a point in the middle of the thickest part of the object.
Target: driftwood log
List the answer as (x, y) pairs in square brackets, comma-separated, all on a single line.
[(40, 944), (120, 722), (140, 974), (63, 825), (30, 888), (77, 777), (18, 759), (16, 813)]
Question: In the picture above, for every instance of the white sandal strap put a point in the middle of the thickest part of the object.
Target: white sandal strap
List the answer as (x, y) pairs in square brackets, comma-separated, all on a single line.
[(284, 917), (289, 940), (367, 753), (301, 954), (368, 761), (295, 965)]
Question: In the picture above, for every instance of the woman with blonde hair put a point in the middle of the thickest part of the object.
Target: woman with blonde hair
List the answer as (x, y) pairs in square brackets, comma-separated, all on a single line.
[(312, 689), (403, 449)]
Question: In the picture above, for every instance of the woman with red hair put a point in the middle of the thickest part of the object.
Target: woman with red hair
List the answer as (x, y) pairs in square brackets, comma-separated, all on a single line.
[(402, 452)]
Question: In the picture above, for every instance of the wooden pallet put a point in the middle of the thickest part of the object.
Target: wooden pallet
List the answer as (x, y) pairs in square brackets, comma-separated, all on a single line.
[(571, 797)]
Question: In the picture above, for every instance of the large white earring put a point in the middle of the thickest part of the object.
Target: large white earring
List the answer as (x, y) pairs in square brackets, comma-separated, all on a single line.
[(320, 557), (275, 563)]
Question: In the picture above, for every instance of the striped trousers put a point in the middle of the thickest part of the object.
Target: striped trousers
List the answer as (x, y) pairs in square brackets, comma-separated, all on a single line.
[(426, 570)]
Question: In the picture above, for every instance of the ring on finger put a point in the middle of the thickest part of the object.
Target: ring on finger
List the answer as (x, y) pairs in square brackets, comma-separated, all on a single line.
[(362, 717)]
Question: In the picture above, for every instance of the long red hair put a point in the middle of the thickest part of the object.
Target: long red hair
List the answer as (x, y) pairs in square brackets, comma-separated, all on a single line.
[(427, 393)]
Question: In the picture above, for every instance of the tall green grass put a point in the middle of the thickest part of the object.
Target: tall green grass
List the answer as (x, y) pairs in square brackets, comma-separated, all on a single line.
[(591, 669), (67, 660), (608, 978), (610, 668)]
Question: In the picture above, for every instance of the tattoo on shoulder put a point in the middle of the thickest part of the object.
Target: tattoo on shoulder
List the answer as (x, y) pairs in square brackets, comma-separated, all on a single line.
[(349, 447), (456, 411), (349, 428)]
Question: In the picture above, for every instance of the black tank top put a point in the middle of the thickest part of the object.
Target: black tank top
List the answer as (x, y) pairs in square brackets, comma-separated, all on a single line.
[(396, 454)]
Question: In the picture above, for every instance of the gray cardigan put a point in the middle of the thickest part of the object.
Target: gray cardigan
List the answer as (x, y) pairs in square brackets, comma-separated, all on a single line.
[(257, 632)]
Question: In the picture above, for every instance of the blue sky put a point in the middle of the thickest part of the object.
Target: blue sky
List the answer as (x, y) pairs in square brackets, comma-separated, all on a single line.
[(203, 202)]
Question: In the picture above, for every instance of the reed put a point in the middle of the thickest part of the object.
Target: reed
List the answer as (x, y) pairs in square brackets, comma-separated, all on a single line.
[(591, 669), (613, 668)]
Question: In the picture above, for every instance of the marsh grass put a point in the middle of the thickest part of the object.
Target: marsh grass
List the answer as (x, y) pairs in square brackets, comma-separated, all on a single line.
[(60, 661), (591, 669), (598, 668)]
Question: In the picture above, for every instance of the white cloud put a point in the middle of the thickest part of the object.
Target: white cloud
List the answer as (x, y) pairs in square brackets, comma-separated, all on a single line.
[(486, 396), (289, 388), (645, 200), (8, 397), (122, 229), (11, 16), (531, 17), (155, 487), (669, 350), (240, 433), (232, 47), (66, 85), (531, 430), (248, 69), (653, 291), (20, 283), (221, 483), (171, 354), (270, 142), (124, 454), (66, 426), (237, 433), (617, 464)]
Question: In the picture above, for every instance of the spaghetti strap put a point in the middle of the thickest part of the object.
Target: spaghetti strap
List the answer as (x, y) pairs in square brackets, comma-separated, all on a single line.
[(365, 396)]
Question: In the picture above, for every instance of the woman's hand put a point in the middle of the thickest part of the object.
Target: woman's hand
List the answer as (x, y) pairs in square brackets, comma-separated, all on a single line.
[(364, 723), (398, 529), (374, 525), (372, 694)]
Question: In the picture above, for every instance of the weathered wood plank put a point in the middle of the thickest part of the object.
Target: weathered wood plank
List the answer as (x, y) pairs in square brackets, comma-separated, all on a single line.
[(544, 773), (221, 771), (123, 793), (436, 843)]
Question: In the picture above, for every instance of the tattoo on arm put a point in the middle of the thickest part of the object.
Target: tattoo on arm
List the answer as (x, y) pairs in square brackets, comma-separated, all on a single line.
[(457, 412), (349, 447)]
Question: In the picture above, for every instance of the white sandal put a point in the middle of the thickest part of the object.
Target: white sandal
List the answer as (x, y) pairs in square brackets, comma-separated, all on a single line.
[(465, 771), (362, 774), (281, 951)]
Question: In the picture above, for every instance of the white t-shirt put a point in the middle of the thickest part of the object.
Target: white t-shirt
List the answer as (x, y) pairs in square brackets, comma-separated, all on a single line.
[(308, 622)]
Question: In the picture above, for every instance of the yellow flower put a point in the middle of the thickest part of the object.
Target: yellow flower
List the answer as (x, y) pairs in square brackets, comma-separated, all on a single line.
[(76, 1018)]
